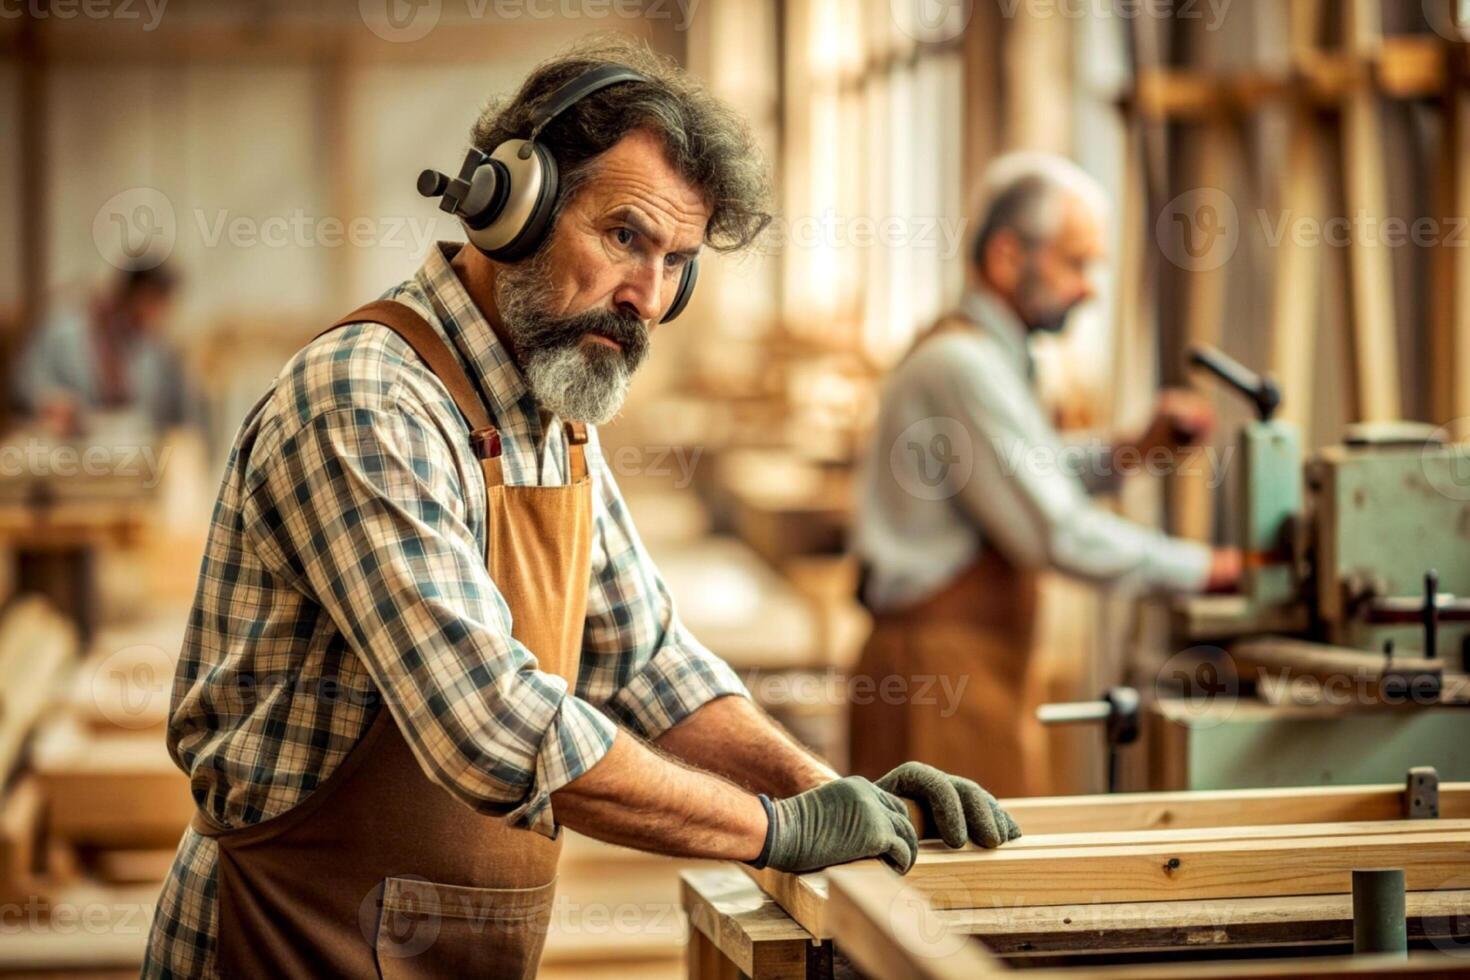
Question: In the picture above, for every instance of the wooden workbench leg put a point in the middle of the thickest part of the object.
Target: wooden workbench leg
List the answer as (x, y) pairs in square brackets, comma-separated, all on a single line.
[(705, 961)]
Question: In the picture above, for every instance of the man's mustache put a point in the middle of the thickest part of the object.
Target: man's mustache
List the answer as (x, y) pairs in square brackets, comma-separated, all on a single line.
[(626, 329)]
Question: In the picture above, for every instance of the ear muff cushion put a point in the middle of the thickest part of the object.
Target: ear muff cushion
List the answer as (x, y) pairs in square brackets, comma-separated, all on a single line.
[(686, 290), (530, 237)]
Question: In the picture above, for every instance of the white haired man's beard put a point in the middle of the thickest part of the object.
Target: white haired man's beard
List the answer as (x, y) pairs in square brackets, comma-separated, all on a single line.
[(1040, 309), (575, 379)]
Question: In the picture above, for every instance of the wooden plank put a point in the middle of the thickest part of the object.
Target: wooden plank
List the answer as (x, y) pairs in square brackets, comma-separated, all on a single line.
[(1188, 835), (1387, 966), (36, 645), (1224, 808), (1184, 871), (889, 930), (744, 925), (803, 897), (1245, 923), (1330, 664)]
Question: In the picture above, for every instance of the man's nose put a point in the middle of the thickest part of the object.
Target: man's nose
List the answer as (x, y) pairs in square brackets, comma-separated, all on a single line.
[(641, 292)]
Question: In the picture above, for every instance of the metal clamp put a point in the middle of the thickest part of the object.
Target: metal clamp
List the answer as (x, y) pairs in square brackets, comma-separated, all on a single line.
[(1421, 793)]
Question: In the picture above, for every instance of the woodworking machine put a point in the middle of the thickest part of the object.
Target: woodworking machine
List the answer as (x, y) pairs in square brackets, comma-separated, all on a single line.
[(1362, 552), (1342, 657)]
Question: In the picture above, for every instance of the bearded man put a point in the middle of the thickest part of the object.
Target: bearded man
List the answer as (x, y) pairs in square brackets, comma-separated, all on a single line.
[(426, 634)]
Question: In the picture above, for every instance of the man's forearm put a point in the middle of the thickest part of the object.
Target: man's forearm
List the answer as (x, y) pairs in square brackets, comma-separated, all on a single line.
[(637, 797), (734, 738)]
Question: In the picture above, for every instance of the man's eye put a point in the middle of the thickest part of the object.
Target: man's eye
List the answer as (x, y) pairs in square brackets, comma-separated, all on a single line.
[(624, 236), (674, 260)]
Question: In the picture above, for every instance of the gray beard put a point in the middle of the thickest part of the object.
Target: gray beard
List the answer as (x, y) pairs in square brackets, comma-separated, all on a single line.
[(574, 379), (579, 384)]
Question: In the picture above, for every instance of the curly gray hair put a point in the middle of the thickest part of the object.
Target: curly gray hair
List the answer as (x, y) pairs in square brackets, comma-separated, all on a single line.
[(707, 143)]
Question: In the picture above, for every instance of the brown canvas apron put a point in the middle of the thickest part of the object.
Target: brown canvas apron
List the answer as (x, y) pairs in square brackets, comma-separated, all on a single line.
[(955, 669), (380, 871)]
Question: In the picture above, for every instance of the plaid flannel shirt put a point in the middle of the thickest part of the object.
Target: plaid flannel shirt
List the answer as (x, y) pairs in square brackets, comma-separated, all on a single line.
[(345, 567)]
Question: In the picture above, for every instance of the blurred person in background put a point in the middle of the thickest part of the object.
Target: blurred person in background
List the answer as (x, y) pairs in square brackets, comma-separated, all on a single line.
[(969, 492), (109, 360)]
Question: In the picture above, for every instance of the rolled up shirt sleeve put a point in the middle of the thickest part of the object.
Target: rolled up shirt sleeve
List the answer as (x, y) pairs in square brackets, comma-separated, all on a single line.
[(1028, 499), (363, 509), (639, 661)]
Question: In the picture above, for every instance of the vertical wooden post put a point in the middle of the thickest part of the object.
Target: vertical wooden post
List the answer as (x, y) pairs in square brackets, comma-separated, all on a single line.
[(1203, 313), (1449, 338), (1374, 347), (1295, 311), (34, 242)]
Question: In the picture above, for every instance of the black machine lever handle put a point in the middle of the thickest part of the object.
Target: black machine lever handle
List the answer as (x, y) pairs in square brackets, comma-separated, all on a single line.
[(1261, 389)]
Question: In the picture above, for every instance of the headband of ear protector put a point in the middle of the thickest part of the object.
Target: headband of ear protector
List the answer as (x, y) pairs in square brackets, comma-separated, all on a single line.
[(505, 200)]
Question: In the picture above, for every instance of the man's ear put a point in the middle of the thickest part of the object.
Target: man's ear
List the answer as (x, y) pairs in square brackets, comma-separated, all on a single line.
[(1005, 256)]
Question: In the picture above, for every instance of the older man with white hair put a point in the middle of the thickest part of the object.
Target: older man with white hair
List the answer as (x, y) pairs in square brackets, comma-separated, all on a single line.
[(969, 492)]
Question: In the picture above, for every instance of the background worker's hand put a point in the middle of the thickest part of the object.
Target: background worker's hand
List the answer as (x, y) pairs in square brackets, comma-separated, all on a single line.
[(960, 808), (844, 820), (1226, 567), (1181, 418)]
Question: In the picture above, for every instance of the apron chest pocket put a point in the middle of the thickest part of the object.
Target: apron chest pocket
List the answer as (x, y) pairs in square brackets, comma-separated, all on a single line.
[(425, 929)]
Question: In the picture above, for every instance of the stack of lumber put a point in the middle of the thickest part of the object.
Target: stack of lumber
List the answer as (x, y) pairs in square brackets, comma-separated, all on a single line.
[(1181, 871)]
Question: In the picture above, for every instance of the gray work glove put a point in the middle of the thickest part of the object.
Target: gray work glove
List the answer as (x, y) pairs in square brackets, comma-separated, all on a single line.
[(841, 821), (960, 808)]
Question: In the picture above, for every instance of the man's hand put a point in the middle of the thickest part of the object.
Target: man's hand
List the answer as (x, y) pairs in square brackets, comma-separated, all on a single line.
[(844, 820), (962, 811), (1226, 566), (1181, 418)]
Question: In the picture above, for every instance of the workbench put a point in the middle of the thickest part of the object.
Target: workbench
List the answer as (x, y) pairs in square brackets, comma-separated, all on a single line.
[(1225, 876)]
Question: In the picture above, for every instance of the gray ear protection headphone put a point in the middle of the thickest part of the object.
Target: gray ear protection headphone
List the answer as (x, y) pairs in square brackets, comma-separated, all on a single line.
[(505, 200)]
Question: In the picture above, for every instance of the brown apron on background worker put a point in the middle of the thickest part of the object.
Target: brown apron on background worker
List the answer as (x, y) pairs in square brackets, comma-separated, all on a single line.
[(977, 631), (380, 871)]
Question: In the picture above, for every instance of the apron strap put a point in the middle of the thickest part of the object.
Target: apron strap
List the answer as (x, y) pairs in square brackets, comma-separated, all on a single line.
[(435, 353), (576, 454)]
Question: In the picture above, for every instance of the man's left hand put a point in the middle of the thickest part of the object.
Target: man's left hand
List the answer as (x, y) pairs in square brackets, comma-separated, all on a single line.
[(961, 809)]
